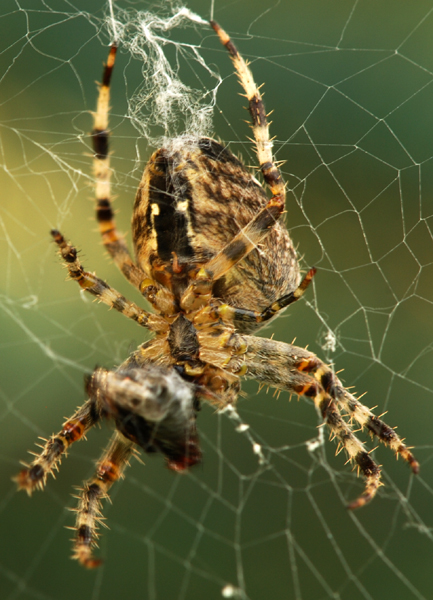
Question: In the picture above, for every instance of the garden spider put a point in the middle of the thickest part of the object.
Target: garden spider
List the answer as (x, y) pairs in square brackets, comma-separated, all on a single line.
[(214, 259)]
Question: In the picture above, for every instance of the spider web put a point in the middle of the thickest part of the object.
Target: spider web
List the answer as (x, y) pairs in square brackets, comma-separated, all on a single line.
[(264, 516)]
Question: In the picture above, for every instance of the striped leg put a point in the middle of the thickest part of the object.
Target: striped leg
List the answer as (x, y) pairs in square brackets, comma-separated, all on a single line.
[(112, 240), (236, 315), (34, 476), (101, 290), (242, 244), (301, 372), (198, 292), (256, 107), (356, 410), (109, 469)]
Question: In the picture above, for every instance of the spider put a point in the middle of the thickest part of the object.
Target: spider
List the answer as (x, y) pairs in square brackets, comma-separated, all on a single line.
[(216, 262)]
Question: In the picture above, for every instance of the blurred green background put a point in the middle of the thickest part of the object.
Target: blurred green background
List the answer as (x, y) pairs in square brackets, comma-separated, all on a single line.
[(350, 84)]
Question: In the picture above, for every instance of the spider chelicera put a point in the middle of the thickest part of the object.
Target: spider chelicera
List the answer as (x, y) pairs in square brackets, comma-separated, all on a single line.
[(216, 262)]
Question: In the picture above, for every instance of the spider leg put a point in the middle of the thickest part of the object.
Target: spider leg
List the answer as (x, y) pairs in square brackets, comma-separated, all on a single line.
[(109, 469), (111, 238), (260, 126), (237, 315), (356, 410), (301, 372), (241, 245), (34, 476), (251, 235), (101, 290)]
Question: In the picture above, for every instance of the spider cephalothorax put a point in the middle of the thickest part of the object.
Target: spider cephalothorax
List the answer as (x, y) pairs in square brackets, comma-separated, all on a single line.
[(215, 260)]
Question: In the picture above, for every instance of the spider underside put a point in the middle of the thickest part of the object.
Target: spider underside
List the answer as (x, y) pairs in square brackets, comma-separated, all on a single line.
[(215, 261)]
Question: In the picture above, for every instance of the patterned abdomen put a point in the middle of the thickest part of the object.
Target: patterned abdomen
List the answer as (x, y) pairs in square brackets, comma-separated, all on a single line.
[(193, 199)]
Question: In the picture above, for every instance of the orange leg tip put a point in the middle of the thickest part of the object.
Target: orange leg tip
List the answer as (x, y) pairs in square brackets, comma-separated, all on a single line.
[(29, 480), (92, 563), (21, 480), (86, 559), (214, 26), (414, 465), (356, 504), (112, 54), (373, 483), (220, 32), (89, 562), (57, 236), (409, 458), (362, 500)]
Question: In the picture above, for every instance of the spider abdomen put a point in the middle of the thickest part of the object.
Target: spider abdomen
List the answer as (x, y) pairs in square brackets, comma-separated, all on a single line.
[(194, 197)]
